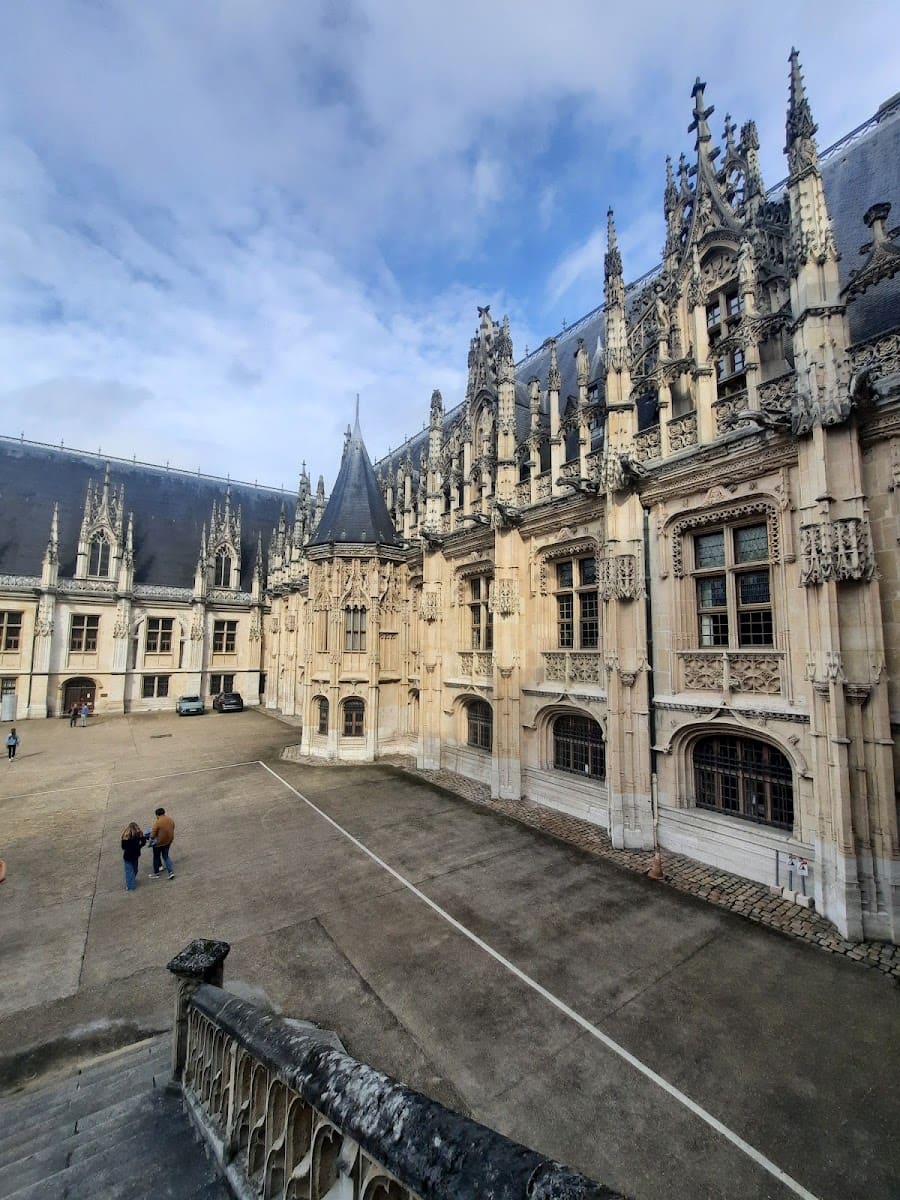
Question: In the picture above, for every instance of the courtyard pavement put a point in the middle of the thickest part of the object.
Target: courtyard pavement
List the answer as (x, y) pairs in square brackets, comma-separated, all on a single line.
[(663, 1046)]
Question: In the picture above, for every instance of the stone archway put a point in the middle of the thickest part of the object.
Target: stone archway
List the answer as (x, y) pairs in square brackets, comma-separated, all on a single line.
[(80, 690)]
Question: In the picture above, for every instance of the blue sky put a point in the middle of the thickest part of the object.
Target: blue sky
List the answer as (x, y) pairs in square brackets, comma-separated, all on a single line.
[(220, 220)]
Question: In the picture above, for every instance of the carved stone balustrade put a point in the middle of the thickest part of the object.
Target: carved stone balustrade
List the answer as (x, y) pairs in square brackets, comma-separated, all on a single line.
[(777, 396), (647, 444), (543, 486), (593, 464), (879, 356), (570, 470), (289, 1115), (523, 492), (682, 431), (727, 409), (476, 664), (757, 671), (573, 666)]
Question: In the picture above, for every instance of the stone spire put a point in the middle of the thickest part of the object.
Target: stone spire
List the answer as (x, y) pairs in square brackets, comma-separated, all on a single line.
[(356, 512), (701, 116), (50, 565), (616, 331), (800, 146)]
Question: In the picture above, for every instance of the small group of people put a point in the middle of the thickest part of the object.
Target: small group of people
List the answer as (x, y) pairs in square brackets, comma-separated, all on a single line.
[(160, 837), (76, 711), (12, 745)]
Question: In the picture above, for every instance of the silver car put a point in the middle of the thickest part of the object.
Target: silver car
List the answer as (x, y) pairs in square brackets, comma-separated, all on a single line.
[(186, 706)]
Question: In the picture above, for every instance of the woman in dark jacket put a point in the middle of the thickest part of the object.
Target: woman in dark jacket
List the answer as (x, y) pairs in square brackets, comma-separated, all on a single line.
[(132, 841)]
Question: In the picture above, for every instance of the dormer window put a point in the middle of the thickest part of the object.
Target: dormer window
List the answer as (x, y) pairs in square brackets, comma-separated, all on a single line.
[(223, 569), (98, 559)]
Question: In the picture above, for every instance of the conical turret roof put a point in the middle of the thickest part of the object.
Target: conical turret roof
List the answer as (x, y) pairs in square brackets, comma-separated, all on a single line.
[(356, 512)]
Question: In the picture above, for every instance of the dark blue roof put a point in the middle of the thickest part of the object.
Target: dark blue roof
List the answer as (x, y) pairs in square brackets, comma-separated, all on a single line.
[(356, 512), (170, 509)]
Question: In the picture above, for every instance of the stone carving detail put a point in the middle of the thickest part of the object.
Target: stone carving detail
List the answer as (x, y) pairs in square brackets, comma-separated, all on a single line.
[(476, 664), (523, 492), (197, 629), (777, 396), (704, 672), (726, 412), (721, 515), (430, 606), (647, 444), (152, 591), (568, 666), (754, 673), (880, 356), (734, 670), (543, 486), (838, 550), (683, 431), (120, 629), (20, 582), (105, 586), (504, 597), (622, 578), (256, 627)]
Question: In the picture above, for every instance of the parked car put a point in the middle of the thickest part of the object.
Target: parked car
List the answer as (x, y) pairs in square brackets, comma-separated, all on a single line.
[(187, 706), (229, 702)]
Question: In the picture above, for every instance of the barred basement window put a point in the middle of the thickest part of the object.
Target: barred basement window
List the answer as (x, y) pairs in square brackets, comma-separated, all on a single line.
[(577, 604), (734, 604), (155, 686), (10, 630), (355, 630), (83, 634), (354, 713), (98, 557), (323, 715), (744, 778), (578, 747), (480, 720), (159, 635), (224, 637)]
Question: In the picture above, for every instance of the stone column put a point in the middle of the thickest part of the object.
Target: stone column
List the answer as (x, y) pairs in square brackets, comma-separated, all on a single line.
[(201, 961)]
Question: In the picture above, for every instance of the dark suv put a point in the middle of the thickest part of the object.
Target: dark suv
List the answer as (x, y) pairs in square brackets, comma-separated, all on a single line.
[(228, 702)]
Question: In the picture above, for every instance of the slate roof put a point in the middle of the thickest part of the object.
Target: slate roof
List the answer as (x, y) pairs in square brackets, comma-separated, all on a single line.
[(356, 512), (170, 509)]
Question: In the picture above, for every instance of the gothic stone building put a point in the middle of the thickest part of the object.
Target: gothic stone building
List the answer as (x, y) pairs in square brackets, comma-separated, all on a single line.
[(646, 575)]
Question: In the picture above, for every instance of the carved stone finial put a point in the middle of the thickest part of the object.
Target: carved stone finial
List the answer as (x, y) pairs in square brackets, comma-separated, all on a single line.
[(670, 198), (701, 114), (554, 379), (883, 252)]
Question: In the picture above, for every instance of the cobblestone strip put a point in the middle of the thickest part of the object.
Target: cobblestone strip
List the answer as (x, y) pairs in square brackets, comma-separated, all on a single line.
[(752, 900)]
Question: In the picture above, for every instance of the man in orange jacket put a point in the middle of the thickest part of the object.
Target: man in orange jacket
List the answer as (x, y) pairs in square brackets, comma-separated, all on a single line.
[(162, 835)]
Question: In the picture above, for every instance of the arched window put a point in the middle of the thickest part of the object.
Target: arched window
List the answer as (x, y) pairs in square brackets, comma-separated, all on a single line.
[(354, 712), (480, 720), (744, 778), (578, 746), (323, 715), (98, 559), (223, 569)]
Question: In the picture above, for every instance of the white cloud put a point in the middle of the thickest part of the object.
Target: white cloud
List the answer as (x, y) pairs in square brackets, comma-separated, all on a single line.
[(219, 221)]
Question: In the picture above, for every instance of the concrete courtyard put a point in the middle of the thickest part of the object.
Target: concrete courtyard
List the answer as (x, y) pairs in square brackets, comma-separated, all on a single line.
[(664, 1047)]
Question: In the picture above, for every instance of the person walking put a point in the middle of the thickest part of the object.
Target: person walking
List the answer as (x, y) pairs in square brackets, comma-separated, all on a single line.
[(73, 716), (12, 744), (84, 714), (162, 835), (132, 841)]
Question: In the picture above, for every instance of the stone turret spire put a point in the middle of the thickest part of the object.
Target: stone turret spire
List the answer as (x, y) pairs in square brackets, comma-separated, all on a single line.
[(50, 565), (800, 146), (616, 331), (356, 512)]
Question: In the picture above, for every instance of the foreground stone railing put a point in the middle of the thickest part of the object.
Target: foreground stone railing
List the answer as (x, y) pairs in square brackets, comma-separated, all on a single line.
[(289, 1115)]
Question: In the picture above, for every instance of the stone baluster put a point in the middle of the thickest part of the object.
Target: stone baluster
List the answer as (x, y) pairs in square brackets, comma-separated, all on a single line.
[(201, 961)]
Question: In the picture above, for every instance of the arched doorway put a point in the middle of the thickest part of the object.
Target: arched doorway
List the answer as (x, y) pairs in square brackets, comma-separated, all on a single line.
[(78, 691)]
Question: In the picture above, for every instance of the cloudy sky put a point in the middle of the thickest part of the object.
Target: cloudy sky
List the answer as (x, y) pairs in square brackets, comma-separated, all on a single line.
[(220, 220)]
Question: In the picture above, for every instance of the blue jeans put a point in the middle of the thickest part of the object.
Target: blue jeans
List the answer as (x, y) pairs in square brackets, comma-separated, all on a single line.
[(161, 852), (131, 873)]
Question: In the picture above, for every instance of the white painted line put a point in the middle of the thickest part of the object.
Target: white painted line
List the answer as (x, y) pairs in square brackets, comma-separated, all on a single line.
[(714, 1123)]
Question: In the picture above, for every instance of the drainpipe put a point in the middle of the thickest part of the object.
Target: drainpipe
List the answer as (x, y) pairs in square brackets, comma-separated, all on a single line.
[(651, 710)]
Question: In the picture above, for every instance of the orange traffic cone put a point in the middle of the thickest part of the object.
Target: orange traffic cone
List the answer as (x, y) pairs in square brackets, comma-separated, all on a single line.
[(655, 870)]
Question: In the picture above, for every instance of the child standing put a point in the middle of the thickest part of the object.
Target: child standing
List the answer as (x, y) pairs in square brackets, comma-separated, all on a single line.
[(12, 744)]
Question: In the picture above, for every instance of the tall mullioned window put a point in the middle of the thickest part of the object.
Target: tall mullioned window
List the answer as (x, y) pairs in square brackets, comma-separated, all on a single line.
[(98, 557), (480, 725), (159, 635), (733, 587), (355, 629), (83, 634), (223, 569), (323, 715), (481, 620), (577, 604), (224, 637), (10, 630), (354, 718)]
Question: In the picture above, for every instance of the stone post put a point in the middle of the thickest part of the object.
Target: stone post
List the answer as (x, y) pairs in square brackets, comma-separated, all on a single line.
[(201, 961)]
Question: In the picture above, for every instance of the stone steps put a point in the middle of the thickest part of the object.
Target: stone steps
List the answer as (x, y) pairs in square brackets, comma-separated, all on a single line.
[(106, 1131)]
